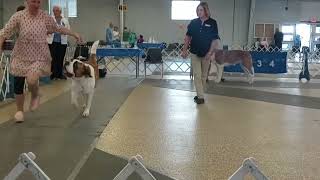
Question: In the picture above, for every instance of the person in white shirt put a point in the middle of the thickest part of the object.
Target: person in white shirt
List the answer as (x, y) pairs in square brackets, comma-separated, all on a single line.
[(58, 45), (116, 37), (116, 34), (264, 42)]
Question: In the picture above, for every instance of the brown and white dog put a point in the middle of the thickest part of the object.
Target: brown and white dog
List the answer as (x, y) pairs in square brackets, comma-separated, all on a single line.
[(83, 75), (93, 58), (224, 57)]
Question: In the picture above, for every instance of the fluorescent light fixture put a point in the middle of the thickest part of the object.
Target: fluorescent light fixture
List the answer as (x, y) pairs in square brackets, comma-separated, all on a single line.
[(184, 10)]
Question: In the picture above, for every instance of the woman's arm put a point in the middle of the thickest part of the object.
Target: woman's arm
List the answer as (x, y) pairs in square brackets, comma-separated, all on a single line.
[(2, 39), (214, 45), (53, 27), (215, 42), (187, 40), (9, 29)]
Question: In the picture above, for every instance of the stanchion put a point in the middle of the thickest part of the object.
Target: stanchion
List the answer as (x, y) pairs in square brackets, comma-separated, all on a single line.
[(26, 163), (304, 74), (135, 165), (248, 166), (6, 87)]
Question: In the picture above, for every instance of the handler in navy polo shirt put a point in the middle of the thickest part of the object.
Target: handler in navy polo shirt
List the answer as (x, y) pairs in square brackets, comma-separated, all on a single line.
[(203, 38)]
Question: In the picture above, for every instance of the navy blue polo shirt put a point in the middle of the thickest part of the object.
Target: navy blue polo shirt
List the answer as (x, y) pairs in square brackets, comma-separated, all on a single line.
[(202, 34)]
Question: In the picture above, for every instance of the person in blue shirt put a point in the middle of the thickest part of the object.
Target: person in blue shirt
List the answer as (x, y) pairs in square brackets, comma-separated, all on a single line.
[(296, 43), (278, 38), (202, 36), (109, 34)]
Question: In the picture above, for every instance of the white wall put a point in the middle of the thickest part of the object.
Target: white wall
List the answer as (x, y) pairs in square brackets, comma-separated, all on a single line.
[(10, 7), (273, 11), (1, 13), (310, 9), (93, 16), (242, 17), (153, 18)]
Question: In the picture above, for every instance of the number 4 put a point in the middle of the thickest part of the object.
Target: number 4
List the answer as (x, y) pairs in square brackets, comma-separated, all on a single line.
[(272, 63)]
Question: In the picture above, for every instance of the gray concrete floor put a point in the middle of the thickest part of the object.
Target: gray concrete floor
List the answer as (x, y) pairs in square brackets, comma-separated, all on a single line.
[(57, 133), (102, 165), (234, 89), (190, 142), (157, 118)]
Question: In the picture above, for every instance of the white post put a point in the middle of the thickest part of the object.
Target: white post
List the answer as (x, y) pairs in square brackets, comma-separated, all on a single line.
[(66, 10), (121, 21), (251, 22), (1, 14)]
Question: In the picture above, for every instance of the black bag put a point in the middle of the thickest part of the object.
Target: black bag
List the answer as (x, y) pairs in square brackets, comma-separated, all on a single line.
[(102, 73), (8, 45), (81, 50)]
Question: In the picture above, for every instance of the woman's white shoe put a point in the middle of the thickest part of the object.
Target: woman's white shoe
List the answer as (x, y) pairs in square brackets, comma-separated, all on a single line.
[(19, 117)]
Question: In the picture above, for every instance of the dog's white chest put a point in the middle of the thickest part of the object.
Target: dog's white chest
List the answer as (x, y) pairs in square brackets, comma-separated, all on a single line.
[(85, 85)]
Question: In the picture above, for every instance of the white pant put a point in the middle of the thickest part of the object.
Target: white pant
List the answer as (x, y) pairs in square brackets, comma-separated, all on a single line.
[(200, 68)]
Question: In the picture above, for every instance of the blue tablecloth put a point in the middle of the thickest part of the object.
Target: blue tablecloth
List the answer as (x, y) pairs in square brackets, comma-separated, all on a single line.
[(264, 62), (151, 45), (119, 52), (122, 52)]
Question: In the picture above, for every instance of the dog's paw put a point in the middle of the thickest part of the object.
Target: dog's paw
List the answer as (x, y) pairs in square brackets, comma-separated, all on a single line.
[(250, 80), (86, 113), (217, 80)]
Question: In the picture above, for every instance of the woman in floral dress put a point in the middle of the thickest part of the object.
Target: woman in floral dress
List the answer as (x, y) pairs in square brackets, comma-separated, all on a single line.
[(31, 57)]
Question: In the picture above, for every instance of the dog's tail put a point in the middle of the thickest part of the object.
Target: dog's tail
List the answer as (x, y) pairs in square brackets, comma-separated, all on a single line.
[(94, 47), (252, 71), (249, 64)]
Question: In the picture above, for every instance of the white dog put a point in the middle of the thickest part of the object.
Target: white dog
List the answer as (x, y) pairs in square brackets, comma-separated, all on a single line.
[(83, 76), (83, 83)]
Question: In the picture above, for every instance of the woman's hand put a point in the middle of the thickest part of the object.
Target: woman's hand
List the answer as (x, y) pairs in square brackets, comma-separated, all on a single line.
[(210, 56), (184, 54), (78, 38), (1, 45)]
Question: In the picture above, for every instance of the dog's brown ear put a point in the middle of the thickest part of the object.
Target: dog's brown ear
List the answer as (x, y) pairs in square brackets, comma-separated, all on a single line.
[(87, 71)]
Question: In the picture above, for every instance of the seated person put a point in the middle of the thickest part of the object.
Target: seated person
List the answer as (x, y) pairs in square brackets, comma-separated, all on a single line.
[(116, 38), (132, 39), (264, 43), (116, 34), (109, 34), (140, 40), (126, 34)]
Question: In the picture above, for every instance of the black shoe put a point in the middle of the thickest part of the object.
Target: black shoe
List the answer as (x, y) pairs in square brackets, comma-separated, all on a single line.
[(198, 100), (62, 77)]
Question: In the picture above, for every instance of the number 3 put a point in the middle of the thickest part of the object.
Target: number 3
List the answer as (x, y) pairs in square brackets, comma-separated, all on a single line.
[(259, 63)]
